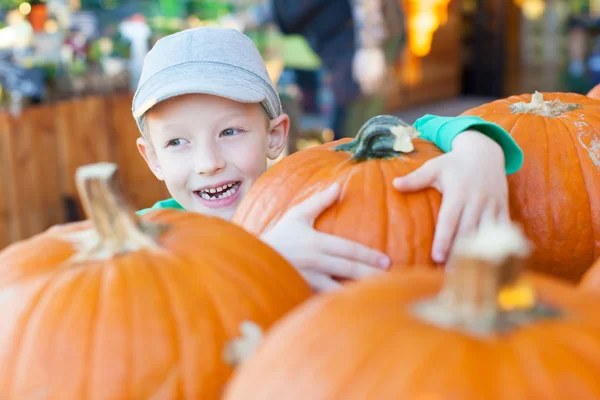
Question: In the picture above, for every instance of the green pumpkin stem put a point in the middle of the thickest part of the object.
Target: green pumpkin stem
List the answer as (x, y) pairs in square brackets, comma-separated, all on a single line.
[(381, 137), (117, 229)]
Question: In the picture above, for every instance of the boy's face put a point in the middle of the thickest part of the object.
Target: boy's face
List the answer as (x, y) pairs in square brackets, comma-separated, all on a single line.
[(210, 150)]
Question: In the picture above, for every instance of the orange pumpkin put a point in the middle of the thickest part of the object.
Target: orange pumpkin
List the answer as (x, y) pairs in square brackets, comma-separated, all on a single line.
[(591, 280), (369, 211), (595, 92), (133, 308), (483, 332), (555, 194)]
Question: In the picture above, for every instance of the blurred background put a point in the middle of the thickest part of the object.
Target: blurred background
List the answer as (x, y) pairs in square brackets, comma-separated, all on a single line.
[(68, 69)]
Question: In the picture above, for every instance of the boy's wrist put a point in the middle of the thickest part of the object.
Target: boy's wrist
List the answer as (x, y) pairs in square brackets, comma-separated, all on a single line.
[(472, 139)]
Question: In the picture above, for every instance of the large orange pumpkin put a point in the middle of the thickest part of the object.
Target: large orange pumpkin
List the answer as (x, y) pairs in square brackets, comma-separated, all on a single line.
[(591, 280), (489, 333), (133, 308), (555, 194), (370, 211), (595, 92)]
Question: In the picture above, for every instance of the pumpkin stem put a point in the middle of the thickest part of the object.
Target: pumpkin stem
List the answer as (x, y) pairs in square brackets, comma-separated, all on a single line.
[(117, 229), (484, 291), (240, 349), (539, 106), (383, 136)]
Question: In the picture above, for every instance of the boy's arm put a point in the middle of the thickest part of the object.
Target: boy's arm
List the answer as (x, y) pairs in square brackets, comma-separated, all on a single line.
[(369, 63), (369, 24), (443, 130)]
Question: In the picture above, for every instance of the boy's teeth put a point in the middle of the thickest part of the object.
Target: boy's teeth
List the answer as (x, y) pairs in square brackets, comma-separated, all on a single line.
[(221, 191)]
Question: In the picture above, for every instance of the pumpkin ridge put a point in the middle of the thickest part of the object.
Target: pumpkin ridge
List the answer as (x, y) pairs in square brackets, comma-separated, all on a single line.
[(582, 351), (412, 223), (293, 198), (129, 332), (24, 333), (375, 342), (425, 361), (173, 313), (595, 225), (250, 291), (585, 183), (86, 385), (537, 357), (522, 124), (385, 232)]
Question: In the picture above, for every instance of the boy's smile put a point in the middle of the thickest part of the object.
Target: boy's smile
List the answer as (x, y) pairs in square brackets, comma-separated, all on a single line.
[(224, 194), (209, 150)]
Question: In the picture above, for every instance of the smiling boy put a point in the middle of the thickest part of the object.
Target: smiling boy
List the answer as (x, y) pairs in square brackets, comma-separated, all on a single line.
[(210, 118)]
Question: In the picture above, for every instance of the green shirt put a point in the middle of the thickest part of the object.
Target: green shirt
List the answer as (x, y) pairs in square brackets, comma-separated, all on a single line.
[(441, 131)]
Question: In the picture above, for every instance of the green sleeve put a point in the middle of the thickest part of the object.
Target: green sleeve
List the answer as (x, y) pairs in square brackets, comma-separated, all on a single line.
[(169, 203), (443, 130)]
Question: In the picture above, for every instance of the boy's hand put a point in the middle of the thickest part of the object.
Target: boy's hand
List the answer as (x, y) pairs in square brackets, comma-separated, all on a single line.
[(318, 256), (368, 69), (472, 180)]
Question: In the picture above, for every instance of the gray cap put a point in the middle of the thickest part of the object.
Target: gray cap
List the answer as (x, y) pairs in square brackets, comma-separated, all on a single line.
[(218, 61)]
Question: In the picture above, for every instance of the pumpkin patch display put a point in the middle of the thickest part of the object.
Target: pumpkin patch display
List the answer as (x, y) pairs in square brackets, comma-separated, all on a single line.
[(369, 211), (128, 307), (555, 194), (479, 329)]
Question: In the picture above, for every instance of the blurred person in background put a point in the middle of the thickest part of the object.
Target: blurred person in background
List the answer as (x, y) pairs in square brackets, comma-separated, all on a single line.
[(356, 40)]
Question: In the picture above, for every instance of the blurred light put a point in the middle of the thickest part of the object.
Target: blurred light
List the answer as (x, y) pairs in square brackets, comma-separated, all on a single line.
[(51, 26), (106, 45), (75, 4), (469, 6), (327, 135), (533, 9), (424, 18), (25, 8), (411, 72)]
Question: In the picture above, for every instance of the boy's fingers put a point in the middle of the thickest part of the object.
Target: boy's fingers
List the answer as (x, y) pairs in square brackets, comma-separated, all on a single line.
[(320, 282), (421, 178), (470, 218), (448, 217), (491, 213), (353, 251), (343, 268), (313, 206)]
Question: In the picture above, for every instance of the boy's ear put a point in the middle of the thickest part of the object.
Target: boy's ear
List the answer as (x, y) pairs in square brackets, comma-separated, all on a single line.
[(147, 151), (278, 133)]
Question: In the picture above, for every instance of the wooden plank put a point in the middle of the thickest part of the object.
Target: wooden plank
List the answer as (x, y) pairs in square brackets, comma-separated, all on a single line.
[(7, 216), (47, 172), (139, 183), (84, 138), (34, 191)]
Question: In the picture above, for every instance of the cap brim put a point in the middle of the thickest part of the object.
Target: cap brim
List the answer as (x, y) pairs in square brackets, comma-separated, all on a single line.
[(223, 81)]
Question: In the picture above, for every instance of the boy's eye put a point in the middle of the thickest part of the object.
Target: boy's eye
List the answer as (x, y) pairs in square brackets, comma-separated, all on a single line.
[(230, 132), (175, 142)]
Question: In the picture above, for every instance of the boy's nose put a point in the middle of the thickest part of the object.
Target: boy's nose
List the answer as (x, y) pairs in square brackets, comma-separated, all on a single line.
[(209, 163)]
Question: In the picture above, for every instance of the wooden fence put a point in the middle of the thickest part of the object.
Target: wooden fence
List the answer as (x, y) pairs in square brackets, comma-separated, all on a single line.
[(41, 149)]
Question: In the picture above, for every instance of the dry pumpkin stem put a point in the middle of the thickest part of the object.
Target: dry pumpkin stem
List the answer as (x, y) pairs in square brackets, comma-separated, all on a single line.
[(484, 292), (117, 229), (383, 136), (244, 347), (541, 107)]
